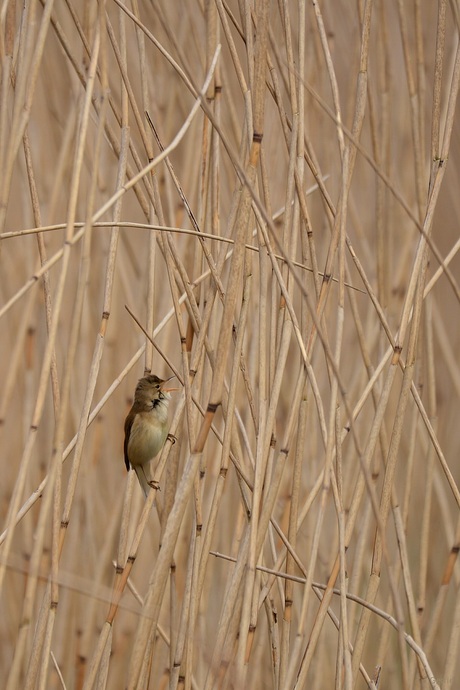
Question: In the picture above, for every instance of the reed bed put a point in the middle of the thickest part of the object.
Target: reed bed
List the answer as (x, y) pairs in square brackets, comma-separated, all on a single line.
[(260, 198)]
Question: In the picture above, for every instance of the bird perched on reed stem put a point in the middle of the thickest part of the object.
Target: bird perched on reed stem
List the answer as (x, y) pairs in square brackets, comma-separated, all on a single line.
[(146, 426)]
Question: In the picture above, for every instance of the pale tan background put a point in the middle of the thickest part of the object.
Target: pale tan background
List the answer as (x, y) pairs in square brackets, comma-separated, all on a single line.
[(43, 87)]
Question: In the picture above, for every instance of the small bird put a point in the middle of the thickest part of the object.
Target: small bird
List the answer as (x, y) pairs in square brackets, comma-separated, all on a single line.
[(146, 426)]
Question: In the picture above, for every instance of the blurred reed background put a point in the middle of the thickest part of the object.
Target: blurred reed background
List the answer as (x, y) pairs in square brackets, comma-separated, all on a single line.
[(262, 199)]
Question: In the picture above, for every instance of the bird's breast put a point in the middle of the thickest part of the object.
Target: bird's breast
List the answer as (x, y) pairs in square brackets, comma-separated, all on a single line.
[(146, 438)]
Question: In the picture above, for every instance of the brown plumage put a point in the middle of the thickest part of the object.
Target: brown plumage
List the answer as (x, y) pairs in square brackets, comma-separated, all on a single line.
[(146, 426)]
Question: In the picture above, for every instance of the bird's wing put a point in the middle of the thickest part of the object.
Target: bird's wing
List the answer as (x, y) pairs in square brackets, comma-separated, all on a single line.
[(128, 424)]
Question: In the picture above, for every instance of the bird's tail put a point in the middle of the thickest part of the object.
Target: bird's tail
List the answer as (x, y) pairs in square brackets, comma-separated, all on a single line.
[(140, 470)]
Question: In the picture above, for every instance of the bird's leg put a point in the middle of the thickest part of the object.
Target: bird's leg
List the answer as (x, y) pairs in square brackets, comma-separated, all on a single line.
[(151, 482)]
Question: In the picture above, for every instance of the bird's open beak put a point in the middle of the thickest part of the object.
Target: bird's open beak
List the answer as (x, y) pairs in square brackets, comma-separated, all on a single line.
[(167, 390)]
